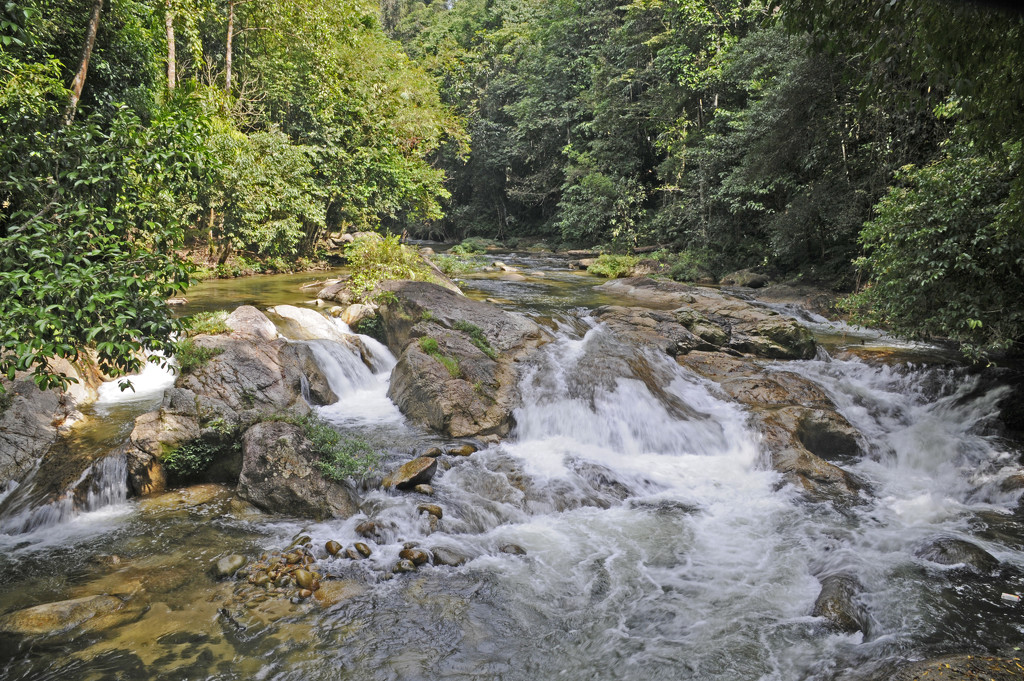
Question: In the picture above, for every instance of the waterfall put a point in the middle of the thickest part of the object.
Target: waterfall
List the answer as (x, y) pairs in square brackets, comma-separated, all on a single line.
[(101, 485)]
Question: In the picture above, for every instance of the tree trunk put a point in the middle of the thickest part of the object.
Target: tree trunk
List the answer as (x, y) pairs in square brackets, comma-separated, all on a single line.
[(79, 82), (228, 52), (172, 76)]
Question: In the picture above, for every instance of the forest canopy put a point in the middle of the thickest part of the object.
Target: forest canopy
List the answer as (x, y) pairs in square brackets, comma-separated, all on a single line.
[(865, 145)]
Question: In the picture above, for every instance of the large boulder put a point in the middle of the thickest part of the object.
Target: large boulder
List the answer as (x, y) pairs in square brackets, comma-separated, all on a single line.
[(279, 475), (31, 419), (457, 370), (254, 373)]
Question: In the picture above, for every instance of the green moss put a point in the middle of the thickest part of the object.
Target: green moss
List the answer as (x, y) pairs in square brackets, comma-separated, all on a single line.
[(191, 356), (430, 346), (477, 337)]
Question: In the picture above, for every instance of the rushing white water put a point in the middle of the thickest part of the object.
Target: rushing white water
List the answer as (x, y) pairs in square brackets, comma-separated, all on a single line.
[(657, 546), (361, 390), (147, 388), (100, 486)]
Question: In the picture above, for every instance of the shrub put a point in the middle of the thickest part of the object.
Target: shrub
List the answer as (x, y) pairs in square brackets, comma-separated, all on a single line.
[(455, 265), (688, 265), (474, 245), (209, 323), (376, 260), (613, 266), (340, 457), (191, 458), (343, 458)]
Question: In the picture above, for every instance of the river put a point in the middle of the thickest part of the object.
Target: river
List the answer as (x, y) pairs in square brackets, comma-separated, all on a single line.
[(656, 546)]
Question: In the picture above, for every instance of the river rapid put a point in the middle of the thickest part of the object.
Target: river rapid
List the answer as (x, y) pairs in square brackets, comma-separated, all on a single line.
[(608, 538)]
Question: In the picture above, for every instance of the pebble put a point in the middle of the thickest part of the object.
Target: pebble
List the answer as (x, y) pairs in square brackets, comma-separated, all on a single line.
[(363, 549), (304, 578), (352, 553), (405, 565), (333, 547)]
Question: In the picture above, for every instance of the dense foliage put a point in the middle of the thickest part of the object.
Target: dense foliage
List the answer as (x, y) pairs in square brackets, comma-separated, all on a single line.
[(787, 137), (798, 138), (245, 126)]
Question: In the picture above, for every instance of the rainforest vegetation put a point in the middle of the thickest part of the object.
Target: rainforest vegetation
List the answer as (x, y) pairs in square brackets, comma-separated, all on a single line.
[(867, 145)]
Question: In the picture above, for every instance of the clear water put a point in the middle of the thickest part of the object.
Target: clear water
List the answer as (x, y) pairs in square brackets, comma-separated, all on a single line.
[(655, 545)]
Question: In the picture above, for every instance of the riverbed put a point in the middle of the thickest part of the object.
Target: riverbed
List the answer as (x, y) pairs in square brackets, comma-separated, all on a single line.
[(607, 538)]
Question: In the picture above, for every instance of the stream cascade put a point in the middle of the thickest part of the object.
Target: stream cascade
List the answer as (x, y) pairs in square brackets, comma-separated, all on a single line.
[(618, 531)]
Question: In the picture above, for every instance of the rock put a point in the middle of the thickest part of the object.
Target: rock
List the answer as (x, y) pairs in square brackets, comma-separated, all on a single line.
[(352, 554), (405, 565), (301, 323), (278, 475), (356, 314), (466, 385), (30, 418), (332, 547), (416, 472), (751, 329), (513, 549), (461, 450), (423, 489), (837, 604), (379, 531), (950, 551), (52, 618), (745, 278), (334, 591), (229, 565), (417, 556), (362, 549), (175, 302), (248, 322), (431, 509), (185, 497), (448, 557), (339, 292), (255, 374), (959, 668), (433, 452), (304, 578)]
